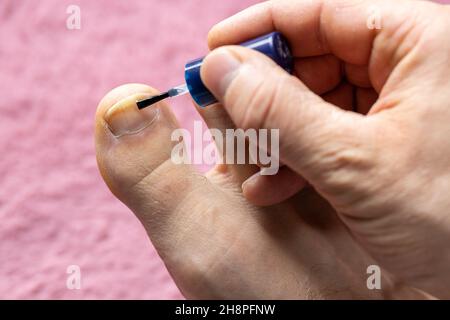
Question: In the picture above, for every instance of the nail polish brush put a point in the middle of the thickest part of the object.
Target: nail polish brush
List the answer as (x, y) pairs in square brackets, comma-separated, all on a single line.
[(273, 45)]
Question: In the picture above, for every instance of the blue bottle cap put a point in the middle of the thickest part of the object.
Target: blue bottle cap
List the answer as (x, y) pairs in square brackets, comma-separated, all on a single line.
[(273, 45)]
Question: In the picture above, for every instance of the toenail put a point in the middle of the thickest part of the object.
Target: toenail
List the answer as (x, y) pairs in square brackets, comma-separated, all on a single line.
[(124, 117)]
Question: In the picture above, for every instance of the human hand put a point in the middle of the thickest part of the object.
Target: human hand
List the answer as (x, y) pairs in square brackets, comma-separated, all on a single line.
[(386, 174)]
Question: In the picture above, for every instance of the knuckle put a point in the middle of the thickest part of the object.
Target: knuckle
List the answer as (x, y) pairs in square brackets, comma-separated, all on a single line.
[(342, 165), (251, 106), (348, 168)]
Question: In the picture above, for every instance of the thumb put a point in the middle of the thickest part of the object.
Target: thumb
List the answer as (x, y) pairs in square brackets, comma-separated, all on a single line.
[(317, 139)]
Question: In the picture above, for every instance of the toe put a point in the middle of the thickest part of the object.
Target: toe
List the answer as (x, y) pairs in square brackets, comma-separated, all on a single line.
[(134, 149)]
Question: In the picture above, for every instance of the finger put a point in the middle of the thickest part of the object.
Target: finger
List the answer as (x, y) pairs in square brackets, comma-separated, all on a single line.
[(266, 190), (314, 135), (133, 150), (261, 190), (320, 74), (365, 99), (357, 75), (349, 97), (325, 27), (342, 96)]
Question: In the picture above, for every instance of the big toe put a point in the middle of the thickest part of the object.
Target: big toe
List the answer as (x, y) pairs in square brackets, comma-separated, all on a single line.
[(133, 150)]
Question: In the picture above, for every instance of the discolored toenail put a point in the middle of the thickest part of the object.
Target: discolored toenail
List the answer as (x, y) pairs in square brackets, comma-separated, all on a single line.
[(124, 117)]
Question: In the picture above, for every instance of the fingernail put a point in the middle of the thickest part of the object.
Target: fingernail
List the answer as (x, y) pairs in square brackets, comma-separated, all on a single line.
[(124, 117), (220, 68), (251, 181)]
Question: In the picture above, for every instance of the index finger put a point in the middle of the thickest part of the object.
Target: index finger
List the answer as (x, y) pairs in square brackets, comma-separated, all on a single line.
[(341, 27)]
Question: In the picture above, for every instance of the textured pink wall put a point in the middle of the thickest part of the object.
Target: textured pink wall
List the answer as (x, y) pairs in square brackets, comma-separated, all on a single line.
[(55, 210)]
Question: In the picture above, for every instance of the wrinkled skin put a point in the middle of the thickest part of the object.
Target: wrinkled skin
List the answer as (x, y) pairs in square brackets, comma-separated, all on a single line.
[(364, 136)]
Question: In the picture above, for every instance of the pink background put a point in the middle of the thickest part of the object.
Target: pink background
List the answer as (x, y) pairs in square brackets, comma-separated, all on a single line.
[(55, 210)]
